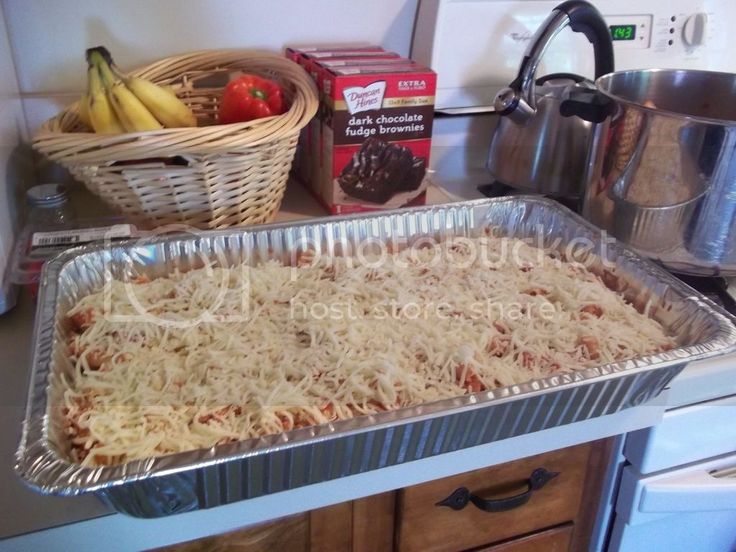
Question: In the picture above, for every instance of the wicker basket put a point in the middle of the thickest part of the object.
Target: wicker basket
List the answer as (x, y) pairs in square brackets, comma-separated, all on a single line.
[(209, 177)]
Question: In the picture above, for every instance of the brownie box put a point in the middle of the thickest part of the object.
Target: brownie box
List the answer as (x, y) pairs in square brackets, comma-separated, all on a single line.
[(312, 60), (295, 53), (375, 135), (318, 65), (306, 160)]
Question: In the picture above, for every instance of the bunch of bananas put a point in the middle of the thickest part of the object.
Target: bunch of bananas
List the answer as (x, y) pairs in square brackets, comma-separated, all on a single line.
[(116, 103)]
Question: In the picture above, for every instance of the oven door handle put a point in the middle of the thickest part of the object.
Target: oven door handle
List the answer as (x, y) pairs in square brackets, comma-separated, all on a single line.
[(693, 491)]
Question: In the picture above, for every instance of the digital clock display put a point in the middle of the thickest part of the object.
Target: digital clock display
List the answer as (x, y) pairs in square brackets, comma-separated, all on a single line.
[(623, 32)]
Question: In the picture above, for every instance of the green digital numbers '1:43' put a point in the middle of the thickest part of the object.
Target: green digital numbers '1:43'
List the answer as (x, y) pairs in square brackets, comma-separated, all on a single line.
[(623, 32)]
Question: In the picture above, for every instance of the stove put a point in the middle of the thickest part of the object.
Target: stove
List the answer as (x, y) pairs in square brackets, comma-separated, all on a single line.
[(721, 291), (499, 189), (718, 289)]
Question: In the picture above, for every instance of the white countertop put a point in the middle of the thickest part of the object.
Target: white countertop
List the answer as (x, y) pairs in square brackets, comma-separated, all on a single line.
[(82, 523)]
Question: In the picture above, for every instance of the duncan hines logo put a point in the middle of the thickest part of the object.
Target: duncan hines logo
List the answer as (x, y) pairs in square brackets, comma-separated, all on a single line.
[(416, 84), (364, 98)]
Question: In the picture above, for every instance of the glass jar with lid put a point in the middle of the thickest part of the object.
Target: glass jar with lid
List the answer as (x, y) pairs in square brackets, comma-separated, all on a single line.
[(49, 211), (49, 208)]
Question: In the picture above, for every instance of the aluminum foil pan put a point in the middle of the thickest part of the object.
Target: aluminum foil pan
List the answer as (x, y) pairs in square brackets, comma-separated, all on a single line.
[(227, 473)]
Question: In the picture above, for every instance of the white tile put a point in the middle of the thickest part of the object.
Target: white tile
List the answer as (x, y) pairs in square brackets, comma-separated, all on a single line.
[(15, 165), (12, 123), (38, 109), (8, 82), (49, 37)]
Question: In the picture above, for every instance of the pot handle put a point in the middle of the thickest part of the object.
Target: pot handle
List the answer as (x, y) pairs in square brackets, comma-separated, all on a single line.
[(589, 105), (518, 99)]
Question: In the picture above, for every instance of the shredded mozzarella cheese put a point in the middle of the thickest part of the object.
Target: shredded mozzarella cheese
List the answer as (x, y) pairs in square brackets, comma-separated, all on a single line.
[(227, 354)]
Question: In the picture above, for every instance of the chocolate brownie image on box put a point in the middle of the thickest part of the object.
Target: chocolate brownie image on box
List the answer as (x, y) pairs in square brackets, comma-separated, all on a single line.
[(378, 170)]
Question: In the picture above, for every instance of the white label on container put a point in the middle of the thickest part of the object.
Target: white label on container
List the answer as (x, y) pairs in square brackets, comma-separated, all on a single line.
[(81, 235)]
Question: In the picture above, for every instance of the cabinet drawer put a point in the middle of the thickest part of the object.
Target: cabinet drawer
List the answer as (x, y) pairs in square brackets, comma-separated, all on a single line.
[(557, 539), (424, 526)]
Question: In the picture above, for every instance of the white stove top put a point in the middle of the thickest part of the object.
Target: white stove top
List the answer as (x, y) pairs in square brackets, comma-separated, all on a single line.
[(703, 381)]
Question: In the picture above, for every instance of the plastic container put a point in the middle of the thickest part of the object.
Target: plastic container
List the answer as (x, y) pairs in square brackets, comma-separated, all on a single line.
[(52, 227)]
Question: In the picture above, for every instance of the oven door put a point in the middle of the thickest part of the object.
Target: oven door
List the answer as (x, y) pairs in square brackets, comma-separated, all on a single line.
[(687, 434), (691, 508)]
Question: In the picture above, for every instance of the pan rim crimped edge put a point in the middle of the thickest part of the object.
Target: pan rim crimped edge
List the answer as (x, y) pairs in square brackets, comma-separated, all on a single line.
[(43, 469)]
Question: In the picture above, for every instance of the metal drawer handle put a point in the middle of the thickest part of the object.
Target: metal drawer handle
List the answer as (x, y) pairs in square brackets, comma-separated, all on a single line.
[(461, 496)]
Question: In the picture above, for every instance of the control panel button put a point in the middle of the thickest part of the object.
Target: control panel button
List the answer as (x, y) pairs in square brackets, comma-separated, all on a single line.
[(693, 33)]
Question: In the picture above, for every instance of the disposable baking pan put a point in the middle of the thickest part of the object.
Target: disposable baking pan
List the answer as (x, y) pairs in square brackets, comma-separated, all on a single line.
[(227, 473)]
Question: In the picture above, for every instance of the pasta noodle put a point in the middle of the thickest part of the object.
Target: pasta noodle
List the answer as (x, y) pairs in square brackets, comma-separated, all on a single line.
[(226, 354)]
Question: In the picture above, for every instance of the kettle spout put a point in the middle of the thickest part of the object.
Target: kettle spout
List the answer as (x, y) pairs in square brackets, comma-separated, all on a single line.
[(510, 103)]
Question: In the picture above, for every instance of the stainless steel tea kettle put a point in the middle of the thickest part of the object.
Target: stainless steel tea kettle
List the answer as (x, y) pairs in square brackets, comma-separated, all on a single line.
[(537, 145)]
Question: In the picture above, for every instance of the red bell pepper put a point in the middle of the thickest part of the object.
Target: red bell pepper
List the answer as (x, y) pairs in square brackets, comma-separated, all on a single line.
[(250, 97)]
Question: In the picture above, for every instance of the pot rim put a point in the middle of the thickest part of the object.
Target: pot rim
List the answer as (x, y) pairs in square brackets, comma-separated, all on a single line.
[(659, 208), (659, 111)]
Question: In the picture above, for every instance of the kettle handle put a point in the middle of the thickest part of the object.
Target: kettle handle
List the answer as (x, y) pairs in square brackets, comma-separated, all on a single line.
[(586, 19), (518, 99)]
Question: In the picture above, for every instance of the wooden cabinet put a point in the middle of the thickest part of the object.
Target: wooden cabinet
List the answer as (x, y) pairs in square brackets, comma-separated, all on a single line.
[(556, 517), (365, 525), (290, 534), (424, 525), (557, 539)]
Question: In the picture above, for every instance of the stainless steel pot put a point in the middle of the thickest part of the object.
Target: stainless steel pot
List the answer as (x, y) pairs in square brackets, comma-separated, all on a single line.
[(533, 147), (661, 173)]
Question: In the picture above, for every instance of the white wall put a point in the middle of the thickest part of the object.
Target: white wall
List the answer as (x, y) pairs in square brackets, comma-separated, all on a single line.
[(49, 36), (15, 164)]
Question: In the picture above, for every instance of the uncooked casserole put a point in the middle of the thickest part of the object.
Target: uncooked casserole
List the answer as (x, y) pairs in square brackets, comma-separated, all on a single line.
[(222, 354)]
